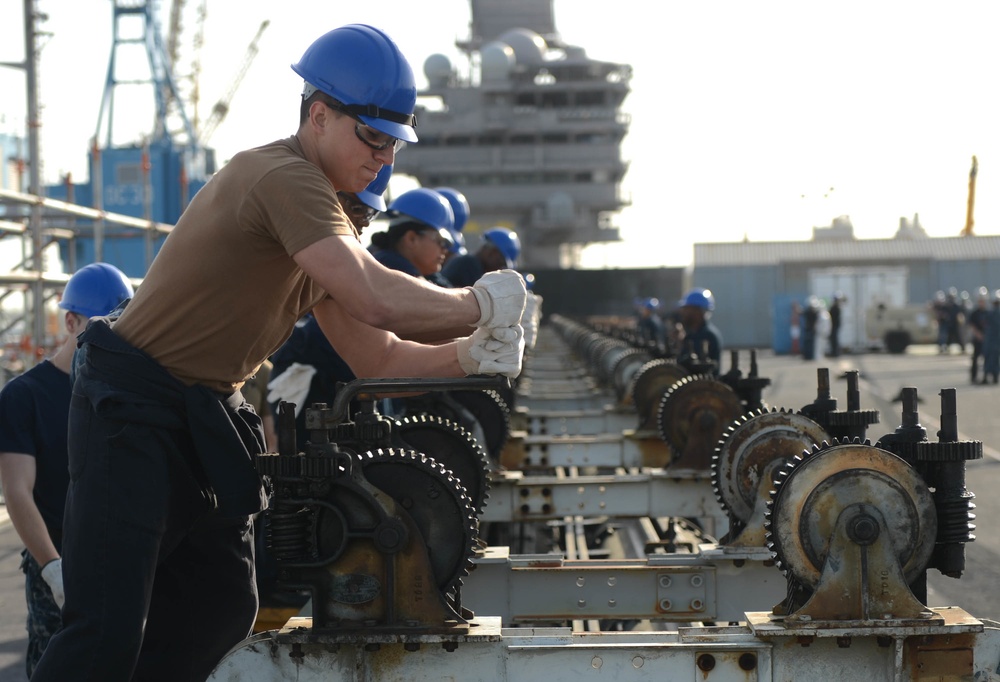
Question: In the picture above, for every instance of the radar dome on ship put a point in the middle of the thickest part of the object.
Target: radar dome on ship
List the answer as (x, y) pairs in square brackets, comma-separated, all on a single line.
[(529, 47), (437, 69), (497, 60)]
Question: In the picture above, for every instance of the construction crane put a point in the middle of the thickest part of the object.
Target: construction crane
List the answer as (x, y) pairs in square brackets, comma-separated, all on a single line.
[(969, 222), (221, 108)]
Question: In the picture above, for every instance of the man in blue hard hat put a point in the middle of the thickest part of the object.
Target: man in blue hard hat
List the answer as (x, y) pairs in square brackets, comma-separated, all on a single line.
[(702, 339), (501, 249), (158, 547), (362, 207), (34, 466)]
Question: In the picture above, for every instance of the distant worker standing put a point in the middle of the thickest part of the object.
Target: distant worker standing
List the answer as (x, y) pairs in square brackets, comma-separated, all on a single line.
[(501, 249), (701, 337), (978, 319), (836, 311), (649, 326), (810, 321), (34, 465), (991, 343)]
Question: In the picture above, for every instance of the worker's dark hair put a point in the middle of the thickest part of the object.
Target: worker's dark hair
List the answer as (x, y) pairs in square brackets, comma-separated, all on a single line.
[(318, 96), (389, 238)]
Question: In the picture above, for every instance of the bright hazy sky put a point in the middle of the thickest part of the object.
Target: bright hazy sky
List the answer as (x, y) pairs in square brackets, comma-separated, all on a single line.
[(744, 114)]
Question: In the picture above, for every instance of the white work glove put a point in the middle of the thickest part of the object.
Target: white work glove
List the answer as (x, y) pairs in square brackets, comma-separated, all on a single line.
[(292, 385), (492, 351), (52, 575), (530, 319), (501, 296)]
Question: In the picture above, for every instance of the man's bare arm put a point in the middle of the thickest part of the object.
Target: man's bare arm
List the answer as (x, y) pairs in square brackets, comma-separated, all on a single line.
[(372, 353), (18, 471), (384, 298)]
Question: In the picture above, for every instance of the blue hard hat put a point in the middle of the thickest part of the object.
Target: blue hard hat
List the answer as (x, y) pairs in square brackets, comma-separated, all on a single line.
[(506, 241), (457, 242), (362, 68), (95, 290), (425, 206), (651, 303), (699, 298), (529, 280), (371, 195), (459, 205)]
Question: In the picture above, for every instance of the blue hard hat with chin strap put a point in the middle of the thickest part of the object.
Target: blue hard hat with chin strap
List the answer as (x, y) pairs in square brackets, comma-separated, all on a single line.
[(363, 69), (95, 290)]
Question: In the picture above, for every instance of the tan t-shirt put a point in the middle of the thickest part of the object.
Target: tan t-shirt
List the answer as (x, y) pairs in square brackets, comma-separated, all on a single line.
[(223, 293)]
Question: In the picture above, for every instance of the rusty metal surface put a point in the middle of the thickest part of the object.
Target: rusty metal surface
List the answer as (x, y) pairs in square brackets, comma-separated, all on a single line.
[(807, 503), (692, 416), (649, 384), (754, 443)]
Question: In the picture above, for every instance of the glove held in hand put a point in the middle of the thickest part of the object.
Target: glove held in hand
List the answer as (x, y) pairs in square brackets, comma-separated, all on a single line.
[(53, 577)]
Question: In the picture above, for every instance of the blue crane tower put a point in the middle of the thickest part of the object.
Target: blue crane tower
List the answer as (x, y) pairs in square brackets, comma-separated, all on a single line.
[(154, 174)]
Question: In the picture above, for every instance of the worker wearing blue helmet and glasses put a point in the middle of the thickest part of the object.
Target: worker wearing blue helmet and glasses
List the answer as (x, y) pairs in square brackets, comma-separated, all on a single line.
[(159, 521)]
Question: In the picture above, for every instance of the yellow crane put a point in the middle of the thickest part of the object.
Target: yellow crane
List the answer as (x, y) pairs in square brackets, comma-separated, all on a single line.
[(967, 230)]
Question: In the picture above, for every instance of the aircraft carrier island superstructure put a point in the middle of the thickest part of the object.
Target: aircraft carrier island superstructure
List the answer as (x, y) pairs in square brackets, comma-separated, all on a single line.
[(531, 135)]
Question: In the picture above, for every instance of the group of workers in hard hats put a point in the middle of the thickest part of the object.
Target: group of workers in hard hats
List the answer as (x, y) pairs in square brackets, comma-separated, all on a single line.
[(134, 485), (686, 330)]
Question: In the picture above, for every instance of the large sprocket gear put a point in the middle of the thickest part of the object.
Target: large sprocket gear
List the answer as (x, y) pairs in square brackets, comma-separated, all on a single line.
[(648, 385), (692, 416), (813, 489), (453, 447), (437, 504), (751, 446), (492, 412)]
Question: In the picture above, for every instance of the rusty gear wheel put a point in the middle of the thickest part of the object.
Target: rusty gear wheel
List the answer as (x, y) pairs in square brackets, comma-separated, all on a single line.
[(752, 445), (453, 447), (493, 414), (692, 416), (813, 490), (648, 385), (436, 502)]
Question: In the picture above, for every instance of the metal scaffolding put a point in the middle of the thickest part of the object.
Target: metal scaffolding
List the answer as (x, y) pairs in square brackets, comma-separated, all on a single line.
[(41, 222)]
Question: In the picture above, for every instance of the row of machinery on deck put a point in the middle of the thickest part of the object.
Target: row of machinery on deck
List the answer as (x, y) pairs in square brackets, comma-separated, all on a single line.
[(394, 527)]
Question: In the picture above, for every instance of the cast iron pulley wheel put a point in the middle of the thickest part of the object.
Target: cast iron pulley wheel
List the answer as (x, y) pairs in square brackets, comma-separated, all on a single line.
[(491, 411), (813, 490), (453, 447), (436, 502), (697, 406), (649, 384), (755, 444)]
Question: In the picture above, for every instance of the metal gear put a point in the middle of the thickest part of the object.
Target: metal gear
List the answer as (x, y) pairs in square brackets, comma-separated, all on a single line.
[(692, 416), (493, 414), (812, 491), (436, 502), (752, 445), (453, 447), (648, 385), (625, 367)]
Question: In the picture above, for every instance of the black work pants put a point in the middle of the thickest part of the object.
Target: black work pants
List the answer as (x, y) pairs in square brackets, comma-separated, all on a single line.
[(977, 352), (158, 586)]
